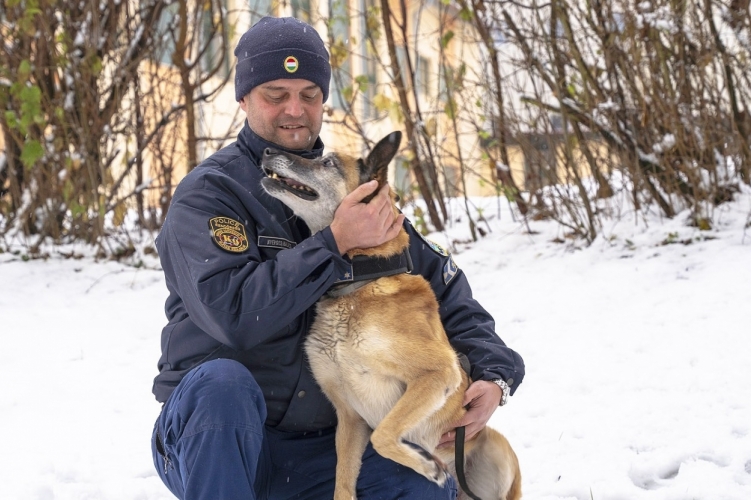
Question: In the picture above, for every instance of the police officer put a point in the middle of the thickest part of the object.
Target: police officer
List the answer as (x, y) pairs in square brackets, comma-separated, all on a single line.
[(243, 417)]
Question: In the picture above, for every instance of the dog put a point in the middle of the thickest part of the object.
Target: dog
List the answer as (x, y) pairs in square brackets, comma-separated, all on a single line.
[(398, 384)]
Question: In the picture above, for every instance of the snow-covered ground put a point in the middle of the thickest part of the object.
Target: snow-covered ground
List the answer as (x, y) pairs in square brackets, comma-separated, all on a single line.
[(638, 355)]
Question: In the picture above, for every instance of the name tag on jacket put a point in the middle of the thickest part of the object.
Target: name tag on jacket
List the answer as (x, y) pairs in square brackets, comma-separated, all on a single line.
[(274, 242)]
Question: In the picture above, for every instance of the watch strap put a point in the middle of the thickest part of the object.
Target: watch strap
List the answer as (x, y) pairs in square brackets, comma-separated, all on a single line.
[(505, 390)]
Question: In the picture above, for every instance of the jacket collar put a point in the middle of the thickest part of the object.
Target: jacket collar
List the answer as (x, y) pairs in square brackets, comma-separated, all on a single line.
[(254, 145)]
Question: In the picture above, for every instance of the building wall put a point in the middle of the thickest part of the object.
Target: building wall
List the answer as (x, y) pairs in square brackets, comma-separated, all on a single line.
[(341, 133), (458, 144)]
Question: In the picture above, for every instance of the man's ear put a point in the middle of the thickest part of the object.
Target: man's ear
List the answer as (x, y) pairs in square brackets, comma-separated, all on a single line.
[(377, 162)]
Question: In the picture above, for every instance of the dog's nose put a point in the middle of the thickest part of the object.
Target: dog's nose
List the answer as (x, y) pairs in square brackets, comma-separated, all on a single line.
[(270, 152)]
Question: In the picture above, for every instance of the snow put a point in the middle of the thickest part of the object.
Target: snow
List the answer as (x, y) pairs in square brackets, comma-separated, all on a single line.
[(637, 352), (668, 141), (69, 100)]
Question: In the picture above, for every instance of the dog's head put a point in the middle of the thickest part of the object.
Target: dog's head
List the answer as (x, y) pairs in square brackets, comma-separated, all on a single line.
[(313, 189)]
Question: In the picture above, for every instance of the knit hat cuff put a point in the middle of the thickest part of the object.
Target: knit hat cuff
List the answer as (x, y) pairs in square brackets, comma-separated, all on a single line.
[(285, 63)]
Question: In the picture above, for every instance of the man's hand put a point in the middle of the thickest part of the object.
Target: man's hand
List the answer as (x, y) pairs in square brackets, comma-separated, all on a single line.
[(483, 398), (365, 225)]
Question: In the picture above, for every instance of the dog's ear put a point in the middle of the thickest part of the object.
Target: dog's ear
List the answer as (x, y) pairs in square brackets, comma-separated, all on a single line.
[(376, 165)]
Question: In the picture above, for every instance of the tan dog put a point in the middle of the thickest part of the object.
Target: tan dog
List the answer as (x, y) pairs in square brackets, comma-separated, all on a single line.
[(380, 353)]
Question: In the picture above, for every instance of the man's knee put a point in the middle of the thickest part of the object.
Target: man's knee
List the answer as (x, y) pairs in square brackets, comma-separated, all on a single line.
[(217, 410), (419, 487), (221, 392), (407, 483), (383, 478)]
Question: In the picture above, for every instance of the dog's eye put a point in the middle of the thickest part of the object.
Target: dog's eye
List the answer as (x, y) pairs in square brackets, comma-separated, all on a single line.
[(328, 162)]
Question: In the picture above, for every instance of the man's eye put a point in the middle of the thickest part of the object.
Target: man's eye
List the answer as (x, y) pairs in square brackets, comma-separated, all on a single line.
[(309, 97)]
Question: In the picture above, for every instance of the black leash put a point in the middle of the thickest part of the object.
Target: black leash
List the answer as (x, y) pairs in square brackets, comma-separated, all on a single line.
[(459, 463)]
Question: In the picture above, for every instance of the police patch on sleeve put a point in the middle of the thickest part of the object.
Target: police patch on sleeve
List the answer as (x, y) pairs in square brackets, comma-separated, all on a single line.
[(437, 248), (433, 245), (229, 234), (449, 271)]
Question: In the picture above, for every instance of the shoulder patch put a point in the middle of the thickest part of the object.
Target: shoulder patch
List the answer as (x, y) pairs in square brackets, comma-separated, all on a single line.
[(433, 245), (437, 248), (449, 271), (228, 234)]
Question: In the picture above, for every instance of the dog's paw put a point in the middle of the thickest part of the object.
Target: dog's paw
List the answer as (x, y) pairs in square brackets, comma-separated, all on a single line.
[(433, 468), (437, 471)]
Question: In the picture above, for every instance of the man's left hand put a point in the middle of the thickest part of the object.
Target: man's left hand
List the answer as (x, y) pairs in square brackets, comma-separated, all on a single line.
[(483, 398)]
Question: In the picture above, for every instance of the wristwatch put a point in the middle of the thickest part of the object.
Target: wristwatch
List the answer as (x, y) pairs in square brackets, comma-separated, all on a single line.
[(505, 389)]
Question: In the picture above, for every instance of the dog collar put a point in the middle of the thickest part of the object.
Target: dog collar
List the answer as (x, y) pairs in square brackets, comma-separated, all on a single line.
[(365, 269)]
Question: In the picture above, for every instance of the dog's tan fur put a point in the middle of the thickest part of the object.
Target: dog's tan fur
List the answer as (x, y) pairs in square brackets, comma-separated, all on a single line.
[(382, 357)]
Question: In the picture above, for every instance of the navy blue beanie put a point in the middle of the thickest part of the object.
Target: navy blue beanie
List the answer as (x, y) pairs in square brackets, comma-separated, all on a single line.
[(275, 48)]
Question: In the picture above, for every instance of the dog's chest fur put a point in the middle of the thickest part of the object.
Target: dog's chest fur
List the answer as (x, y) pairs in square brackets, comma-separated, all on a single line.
[(359, 344), (347, 352)]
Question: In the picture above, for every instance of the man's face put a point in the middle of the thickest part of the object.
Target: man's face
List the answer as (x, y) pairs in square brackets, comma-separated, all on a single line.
[(286, 112)]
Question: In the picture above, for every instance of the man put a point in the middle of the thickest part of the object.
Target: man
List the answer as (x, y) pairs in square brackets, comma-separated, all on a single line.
[(243, 417)]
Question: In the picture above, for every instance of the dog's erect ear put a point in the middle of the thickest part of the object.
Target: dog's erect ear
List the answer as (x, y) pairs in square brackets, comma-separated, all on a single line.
[(376, 165)]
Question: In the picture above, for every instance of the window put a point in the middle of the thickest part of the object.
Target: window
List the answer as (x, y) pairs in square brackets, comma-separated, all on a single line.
[(165, 34), (401, 60), (259, 9), (370, 66), (301, 10), (214, 40), (341, 71), (210, 37), (445, 73), (449, 79), (421, 67), (402, 178), (498, 32), (451, 181), (422, 76), (539, 161)]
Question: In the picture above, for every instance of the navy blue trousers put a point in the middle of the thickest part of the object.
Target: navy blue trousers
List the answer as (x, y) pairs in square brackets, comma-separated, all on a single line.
[(210, 443)]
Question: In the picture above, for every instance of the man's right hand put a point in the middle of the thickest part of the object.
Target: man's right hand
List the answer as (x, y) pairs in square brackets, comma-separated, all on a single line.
[(365, 225)]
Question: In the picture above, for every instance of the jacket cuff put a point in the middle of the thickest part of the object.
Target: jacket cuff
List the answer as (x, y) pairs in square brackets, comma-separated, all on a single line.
[(327, 238), (511, 377), (329, 242)]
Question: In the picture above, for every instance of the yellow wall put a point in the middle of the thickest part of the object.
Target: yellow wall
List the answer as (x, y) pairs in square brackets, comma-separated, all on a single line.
[(338, 133)]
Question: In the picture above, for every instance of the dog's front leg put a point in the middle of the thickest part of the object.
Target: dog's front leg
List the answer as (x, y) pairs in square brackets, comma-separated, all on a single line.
[(423, 397), (352, 435)]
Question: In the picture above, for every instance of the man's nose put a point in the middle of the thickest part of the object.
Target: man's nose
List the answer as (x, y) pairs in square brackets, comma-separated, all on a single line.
[(294, 106)]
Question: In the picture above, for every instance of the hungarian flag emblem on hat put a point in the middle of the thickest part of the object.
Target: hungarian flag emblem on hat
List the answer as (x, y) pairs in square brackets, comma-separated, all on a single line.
[(291, 64)]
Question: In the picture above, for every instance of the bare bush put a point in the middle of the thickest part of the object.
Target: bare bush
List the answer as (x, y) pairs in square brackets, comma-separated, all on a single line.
[(85, 98), (656, 92), (554, 105)]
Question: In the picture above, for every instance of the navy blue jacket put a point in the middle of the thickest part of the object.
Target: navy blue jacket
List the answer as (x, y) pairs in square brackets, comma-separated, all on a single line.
[(256, 306)]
